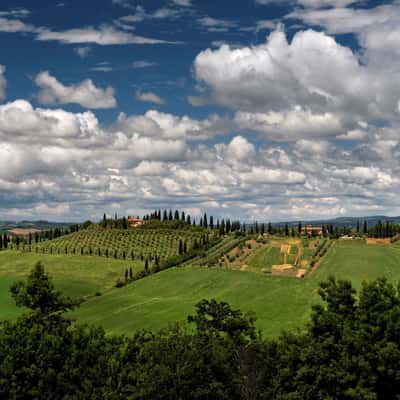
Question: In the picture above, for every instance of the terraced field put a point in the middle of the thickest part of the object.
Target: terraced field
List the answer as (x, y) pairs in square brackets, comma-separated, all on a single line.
[(283, 256), (120, 243), (265, 258)]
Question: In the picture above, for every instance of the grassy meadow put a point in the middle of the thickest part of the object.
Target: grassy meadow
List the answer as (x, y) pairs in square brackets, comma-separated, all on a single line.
[(169, 296), (74, 275)]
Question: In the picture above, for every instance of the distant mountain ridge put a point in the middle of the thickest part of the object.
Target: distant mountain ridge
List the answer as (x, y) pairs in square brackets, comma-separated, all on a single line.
[(349, 222), (39, 224)]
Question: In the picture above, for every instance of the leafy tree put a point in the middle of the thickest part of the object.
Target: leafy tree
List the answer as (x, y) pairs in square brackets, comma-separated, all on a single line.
[(38, 293)]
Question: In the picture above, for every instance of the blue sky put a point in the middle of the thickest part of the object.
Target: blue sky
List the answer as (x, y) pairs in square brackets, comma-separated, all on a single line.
[(255, 109)]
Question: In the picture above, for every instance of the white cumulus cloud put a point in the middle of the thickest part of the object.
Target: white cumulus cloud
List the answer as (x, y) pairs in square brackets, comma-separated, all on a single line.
[(149, 97), (84, 93)]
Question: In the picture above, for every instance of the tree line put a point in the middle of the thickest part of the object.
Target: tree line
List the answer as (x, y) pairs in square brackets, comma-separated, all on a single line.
[(37, 237), (350, 349)]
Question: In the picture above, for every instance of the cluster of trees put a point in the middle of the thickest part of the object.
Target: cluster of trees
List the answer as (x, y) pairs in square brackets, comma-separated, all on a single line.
[(350, 349), (382, 230), (377, 230), (4, 241), (116, 223), (223, 226), (37, 237)]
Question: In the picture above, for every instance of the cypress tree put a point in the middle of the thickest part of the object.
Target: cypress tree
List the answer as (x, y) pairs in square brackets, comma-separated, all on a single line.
[(211, 222), (365, 230), (104, 223), (180, 249), (222, 227)]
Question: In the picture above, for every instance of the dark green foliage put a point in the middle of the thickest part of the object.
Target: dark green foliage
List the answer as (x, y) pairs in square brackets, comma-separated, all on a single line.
[(350, 349), (39, 295)]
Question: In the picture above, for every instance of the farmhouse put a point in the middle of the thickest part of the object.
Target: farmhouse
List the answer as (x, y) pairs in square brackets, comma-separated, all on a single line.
[(135, 222), (312, 230)]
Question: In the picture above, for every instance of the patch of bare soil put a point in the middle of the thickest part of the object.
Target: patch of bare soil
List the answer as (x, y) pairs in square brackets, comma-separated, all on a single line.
[(372, 241), (283, 269), (23, 231), (301, 273)]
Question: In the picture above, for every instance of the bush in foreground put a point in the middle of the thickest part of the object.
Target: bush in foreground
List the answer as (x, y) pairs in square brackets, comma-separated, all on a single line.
[(349, 350)]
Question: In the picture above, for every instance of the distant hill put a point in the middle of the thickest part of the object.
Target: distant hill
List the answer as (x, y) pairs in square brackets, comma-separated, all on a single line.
[(348, 222), (39, 225)]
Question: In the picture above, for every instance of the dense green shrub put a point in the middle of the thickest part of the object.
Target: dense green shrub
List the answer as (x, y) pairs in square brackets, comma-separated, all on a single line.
[(350, 349)]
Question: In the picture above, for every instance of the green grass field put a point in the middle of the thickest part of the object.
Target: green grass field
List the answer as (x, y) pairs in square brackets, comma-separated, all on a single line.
[(358, 262), (74, 275), (154, 302), (266, 257), (151, 303)]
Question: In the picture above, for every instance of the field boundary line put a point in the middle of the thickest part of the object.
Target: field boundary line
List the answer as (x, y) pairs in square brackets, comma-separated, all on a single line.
[(318, 264)]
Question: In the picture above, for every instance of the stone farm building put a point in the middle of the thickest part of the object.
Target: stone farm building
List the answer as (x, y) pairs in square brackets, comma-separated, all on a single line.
[(135, 222), (312, 230)]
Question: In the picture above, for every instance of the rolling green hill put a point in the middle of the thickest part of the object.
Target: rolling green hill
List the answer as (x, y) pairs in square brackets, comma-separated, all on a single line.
[(169, 296), (279, 302), (74, 275)]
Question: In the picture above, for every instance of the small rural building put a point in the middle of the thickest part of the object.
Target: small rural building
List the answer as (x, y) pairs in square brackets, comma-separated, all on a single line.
[(312, 230), (135, 222)]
